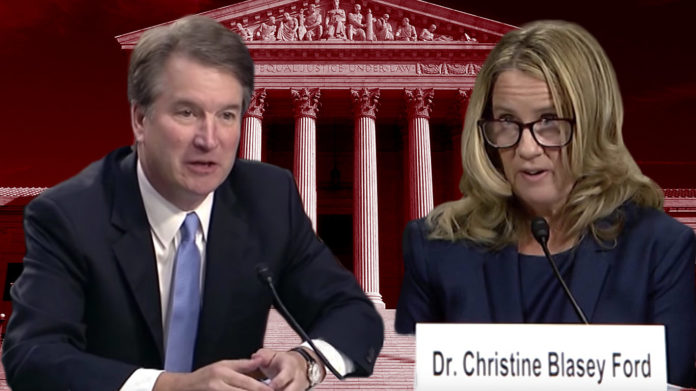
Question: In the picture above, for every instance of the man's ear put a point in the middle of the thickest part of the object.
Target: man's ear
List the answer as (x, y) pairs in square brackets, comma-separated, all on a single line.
[(137, 121)]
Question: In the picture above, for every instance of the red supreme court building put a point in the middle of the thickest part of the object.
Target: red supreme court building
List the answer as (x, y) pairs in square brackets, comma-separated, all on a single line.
[(364, 101)]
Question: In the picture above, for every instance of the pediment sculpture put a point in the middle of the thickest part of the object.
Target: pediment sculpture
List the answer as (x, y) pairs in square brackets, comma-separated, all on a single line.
[(339, 23)]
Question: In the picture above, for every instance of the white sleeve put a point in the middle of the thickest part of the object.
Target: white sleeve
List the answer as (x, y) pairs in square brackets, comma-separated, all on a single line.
[(342, 363), (143, 379)]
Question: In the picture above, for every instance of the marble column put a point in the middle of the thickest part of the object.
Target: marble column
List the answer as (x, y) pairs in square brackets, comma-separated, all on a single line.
[(420, 172), (305, 109), (365, 215), (250, 143), (463, 95)]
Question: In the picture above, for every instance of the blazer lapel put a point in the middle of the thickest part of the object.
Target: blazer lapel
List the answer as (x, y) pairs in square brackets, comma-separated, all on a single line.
[(229, 268), (592, 264), (502, 276), (134, 249)]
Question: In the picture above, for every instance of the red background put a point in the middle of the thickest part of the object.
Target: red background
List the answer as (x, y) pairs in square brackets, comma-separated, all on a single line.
[(63, 77)]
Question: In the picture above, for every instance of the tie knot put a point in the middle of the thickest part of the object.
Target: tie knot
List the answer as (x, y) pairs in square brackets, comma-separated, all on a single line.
[(189, 227)]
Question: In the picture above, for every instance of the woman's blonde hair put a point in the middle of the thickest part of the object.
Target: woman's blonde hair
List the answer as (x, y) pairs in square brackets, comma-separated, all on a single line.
[(583, 86)]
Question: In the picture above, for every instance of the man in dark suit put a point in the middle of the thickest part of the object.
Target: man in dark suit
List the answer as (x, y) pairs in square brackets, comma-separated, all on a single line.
[(147, 259)]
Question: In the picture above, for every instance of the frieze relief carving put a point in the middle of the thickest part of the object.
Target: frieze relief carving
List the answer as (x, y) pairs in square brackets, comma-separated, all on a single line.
[(463, 69), (469, 69), (430, 69), (341, 22)]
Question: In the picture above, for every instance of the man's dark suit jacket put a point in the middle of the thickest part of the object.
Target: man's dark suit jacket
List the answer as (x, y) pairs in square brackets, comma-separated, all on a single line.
[(86, 309), (646, 278)]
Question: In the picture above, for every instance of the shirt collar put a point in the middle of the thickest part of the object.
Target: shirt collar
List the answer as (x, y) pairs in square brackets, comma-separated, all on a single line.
[(164, 217)]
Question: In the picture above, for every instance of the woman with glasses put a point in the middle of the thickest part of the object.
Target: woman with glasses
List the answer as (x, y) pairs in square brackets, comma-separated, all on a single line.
[(543, 138)]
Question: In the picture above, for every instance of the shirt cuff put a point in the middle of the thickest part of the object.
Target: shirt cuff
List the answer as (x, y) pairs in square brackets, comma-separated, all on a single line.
[(342, 363), (142, 379)]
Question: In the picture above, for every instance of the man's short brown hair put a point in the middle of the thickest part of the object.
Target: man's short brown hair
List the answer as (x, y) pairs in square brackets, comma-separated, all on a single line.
[(197, 37)]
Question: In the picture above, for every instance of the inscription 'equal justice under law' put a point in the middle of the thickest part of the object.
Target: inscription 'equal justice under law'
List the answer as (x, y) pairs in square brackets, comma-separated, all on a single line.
[(336, 68)]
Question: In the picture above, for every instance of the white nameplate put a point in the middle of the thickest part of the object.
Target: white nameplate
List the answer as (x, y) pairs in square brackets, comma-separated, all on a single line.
[(539, 357)]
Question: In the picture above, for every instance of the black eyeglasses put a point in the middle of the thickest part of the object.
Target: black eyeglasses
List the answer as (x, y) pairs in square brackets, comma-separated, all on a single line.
[(547, 132)]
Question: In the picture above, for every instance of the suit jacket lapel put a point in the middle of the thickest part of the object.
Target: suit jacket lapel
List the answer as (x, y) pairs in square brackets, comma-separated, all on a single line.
[(502, 274), (592, 264), (134, 249), (229, 268)]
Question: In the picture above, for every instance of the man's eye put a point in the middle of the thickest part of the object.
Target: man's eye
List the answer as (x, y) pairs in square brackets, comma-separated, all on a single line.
[(228, 116), (185, 113)]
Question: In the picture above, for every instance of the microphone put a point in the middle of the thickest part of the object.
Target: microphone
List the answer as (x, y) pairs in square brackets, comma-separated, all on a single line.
[(265, 276), (540, 231)]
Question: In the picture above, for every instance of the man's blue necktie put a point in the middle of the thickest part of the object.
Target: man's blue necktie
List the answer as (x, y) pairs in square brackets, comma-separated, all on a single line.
[(185, 300)]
